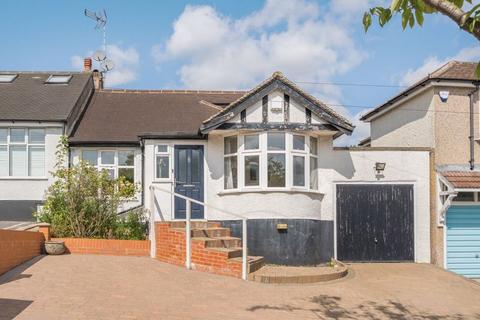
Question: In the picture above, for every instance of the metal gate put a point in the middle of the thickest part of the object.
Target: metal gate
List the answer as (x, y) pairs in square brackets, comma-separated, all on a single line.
[(375, 222)]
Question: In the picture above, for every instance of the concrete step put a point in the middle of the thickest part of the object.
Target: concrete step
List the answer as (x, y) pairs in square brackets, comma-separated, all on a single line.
[(232, 252), (195, 224), (211, 232), (221, 242), (254, 263)]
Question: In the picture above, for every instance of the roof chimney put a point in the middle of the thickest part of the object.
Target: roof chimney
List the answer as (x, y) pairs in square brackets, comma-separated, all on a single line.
[(97, 79), (87, 64)]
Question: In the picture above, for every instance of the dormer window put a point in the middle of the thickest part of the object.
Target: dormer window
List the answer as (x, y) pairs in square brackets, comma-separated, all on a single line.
[(7, 78), (58, 79)]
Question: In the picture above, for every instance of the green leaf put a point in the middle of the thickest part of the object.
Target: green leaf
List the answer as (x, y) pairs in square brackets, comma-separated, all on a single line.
[(384, 17), (424, 7), (367, 21), (405, 18), (477, 70), (411, 20), (395, 5), (419, 17)]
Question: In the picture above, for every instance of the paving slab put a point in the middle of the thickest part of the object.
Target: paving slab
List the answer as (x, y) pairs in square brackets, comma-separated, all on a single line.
[(105, 287)]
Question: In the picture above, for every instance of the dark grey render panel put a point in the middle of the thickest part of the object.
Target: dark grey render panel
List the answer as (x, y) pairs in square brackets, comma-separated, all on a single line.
[(375, 222), (18, 210), (305, 242)]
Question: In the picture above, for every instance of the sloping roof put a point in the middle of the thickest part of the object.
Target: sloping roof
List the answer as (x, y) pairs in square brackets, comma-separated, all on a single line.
[(29, 98), (451, 71), (463, 179), (121, 116), (278, 80)]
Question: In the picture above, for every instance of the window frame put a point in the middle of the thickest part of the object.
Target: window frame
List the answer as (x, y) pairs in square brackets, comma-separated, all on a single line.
[(231, 155), (242, 154), (8, 144), (159, 154), (68, 78), (315, 156), (115, 166)]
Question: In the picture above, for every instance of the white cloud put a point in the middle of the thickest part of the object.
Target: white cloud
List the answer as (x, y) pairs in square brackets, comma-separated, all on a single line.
[(216, 51), (304, 40), (126, 62), (432, 63)]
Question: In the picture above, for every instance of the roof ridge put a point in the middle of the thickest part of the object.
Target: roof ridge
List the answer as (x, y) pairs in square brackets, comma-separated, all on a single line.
[(177, 91)]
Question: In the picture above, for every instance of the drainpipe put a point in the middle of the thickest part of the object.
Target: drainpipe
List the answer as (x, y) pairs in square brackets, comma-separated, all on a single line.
[(472, 123)]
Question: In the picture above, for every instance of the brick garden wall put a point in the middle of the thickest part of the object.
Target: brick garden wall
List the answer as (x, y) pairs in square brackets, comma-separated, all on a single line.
[(107, 246), (170, 248), (17, 247)]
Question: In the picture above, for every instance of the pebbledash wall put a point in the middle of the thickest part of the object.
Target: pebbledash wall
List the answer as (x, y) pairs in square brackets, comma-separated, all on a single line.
[(21, 196), (310, 215)]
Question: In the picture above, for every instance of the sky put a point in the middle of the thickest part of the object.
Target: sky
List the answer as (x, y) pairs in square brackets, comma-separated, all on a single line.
[(224, 45)]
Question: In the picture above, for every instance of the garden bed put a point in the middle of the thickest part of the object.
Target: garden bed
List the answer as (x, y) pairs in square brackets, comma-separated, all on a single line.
[(140, 248)]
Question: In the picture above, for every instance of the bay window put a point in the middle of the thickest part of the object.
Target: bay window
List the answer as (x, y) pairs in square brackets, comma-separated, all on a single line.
[(271, 160), (230, 146), (22, 152)]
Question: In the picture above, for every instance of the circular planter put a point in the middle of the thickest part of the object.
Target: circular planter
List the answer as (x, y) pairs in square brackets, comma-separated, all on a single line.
[(54, 247)]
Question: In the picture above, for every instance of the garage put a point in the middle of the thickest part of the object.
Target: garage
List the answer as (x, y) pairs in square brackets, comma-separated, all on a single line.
[(375, 222), (463, 240)]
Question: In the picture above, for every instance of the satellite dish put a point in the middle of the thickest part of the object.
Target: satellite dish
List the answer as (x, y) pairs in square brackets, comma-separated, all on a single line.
[(99, 55), (108, 65)]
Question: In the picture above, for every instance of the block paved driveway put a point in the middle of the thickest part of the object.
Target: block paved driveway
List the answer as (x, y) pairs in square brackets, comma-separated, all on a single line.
[(102, 287)]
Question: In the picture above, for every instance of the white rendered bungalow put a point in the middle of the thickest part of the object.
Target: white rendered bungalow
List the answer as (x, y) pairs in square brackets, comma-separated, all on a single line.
[(266, 155)]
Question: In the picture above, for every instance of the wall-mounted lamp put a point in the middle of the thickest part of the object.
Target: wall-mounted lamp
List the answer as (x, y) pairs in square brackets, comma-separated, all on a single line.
[(380, 167)]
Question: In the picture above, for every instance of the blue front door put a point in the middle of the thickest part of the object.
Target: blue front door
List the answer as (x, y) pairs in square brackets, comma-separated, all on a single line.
[(463, 240), (189, 179)]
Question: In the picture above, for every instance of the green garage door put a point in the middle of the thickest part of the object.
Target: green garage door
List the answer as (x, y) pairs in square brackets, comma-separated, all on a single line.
[(463, 240)]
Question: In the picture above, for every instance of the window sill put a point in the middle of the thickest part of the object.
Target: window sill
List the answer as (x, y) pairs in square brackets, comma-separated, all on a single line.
[(162, 181), (268, 190), (23, 178)]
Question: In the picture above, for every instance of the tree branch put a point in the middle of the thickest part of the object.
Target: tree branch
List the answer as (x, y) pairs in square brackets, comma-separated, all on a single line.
[(454, 13)]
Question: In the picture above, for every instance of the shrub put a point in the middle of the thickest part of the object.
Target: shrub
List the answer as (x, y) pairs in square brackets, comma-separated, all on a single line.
[(82, 201), (133, 226)]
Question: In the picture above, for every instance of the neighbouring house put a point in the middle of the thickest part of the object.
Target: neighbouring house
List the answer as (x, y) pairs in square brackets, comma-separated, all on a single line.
[(266, 155), (36, 109), (441, 111)]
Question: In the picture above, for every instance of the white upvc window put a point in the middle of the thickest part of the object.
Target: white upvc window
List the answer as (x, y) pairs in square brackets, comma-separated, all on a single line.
[(251, 160), (313, 165), (22, 152), (117, 163), (230, 162), (298, 160), (276, 160), (162, 162), (271, 160)]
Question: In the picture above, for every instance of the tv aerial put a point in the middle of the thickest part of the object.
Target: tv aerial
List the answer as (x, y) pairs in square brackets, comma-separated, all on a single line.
[(100, 56)]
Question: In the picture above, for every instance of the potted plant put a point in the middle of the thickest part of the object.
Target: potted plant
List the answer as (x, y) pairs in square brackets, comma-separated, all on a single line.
[(55, 247)]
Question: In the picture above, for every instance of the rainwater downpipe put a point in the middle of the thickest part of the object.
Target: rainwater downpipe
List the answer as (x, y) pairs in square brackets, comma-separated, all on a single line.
[(472, 129)]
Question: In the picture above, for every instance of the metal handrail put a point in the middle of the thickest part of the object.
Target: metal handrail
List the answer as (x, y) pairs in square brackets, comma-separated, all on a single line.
[(188, 251)]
